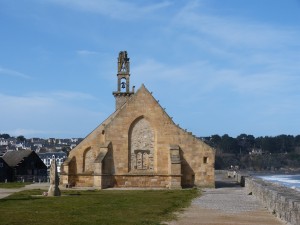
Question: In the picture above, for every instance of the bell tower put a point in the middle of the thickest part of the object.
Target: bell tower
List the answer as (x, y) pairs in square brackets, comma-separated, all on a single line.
[(123, 93)]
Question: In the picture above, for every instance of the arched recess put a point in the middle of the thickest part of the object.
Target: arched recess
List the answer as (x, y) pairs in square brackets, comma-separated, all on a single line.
[(88, 160), (141, 146), (123, 84)]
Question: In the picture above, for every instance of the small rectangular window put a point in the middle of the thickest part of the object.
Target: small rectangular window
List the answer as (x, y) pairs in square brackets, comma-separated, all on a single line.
[(205, 160)]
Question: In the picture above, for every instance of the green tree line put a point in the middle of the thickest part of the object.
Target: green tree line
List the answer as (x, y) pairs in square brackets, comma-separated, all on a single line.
[(244, 143), (256, 153)]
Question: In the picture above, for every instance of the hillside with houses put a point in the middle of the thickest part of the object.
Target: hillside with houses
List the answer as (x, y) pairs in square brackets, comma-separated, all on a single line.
[(29, 160), (38, 145)]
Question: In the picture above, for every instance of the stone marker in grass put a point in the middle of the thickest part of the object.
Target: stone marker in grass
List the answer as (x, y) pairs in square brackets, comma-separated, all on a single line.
[(54, 180)]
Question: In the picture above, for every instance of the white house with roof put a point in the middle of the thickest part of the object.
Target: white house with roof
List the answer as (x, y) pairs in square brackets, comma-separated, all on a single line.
[(3, 141), (49, 156)]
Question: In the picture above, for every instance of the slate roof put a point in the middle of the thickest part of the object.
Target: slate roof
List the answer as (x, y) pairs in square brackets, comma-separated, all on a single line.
[(12, 158)]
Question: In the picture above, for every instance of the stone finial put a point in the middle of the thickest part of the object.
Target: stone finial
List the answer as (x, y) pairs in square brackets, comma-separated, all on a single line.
[(123, 63), (54, 180)]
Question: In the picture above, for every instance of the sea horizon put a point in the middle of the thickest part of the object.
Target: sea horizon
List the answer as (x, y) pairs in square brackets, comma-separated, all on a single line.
[(288, 180)]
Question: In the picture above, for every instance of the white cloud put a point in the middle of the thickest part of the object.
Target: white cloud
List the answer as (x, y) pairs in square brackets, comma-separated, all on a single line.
[(41, 101), (55, 114), (238, 54), (13, 73), (26, 132), (18, 103), (66, 95), (86, 52), (203, 77), (116, 9), (234, 32)]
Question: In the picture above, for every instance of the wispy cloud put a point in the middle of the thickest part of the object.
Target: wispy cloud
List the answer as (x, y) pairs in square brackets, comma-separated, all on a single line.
[(203, 77), (56, 112), (27, 132), (116, 9), (237, 53), (13, 73), (86, 52), (233, 31), (64, 95), (238, 43), (26, 103)]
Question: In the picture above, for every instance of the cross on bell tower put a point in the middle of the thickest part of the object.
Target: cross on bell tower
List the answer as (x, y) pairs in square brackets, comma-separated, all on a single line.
[(123, 93)]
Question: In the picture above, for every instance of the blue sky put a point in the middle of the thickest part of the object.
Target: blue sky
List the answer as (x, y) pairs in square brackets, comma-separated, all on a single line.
[(218, 67)]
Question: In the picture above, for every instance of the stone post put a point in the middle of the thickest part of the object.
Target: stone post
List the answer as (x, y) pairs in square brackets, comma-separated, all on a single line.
[(54, 180)]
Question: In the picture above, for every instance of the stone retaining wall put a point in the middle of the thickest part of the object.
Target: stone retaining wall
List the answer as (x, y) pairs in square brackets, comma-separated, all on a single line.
[(282, 201), (240, 178)]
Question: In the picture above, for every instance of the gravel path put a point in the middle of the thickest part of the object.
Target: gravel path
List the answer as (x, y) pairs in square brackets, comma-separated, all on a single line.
[(227, 200), (226, 206), (4, 192)]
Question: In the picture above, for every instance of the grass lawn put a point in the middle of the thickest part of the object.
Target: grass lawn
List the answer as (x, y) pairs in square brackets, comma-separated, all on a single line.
[(95, 207), (13, 185)]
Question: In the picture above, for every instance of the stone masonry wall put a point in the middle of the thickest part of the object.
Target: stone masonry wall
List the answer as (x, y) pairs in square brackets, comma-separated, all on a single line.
[(150, 181), (141, 118), (282, 201), (197, 157)]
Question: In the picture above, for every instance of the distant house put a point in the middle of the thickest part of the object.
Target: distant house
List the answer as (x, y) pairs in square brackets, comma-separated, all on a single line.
[(26, 166), (51, 140), (35, 140), (73, 146), (12, 141), (256, 151), (6, 172), (47, 158), (3, 141)]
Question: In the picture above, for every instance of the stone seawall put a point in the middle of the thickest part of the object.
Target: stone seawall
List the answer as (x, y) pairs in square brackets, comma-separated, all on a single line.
[(282, 201)]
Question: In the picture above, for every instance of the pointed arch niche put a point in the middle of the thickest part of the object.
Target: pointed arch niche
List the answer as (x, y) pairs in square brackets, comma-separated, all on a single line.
[(88, 161), (141, 146)]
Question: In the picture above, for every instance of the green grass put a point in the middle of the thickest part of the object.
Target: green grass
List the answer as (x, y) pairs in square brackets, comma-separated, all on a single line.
[(95, 207), (13, 185)]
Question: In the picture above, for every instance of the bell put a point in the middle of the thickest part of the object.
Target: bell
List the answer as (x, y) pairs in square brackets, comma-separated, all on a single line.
[(123, 85)]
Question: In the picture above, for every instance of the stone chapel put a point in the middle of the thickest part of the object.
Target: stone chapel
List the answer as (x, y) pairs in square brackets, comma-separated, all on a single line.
[(138, 145)]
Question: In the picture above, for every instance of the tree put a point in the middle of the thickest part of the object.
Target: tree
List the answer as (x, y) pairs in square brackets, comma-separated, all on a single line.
[(297, 140), (215, 141), (229, 144), (246, 142), (21, 138), (5, 136)]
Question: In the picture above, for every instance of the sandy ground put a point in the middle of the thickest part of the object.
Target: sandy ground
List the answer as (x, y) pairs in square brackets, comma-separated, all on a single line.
[(228, 204)]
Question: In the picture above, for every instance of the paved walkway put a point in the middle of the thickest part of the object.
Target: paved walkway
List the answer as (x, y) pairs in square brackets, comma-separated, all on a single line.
[(228, 204), (4, 192)]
